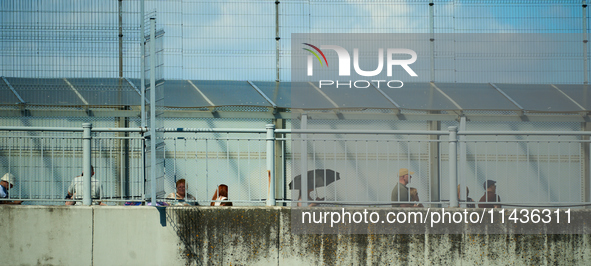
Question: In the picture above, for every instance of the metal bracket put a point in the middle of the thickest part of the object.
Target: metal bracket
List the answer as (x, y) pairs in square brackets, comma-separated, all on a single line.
[(23, 109), (88, 111), (273, 109)]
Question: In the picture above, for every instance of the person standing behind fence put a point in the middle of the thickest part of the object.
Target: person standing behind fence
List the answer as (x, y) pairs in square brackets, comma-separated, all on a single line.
[(6, 183), (221, 194), (490, 195), (181, 194), (76, 189), (403, 193), (468, 199)]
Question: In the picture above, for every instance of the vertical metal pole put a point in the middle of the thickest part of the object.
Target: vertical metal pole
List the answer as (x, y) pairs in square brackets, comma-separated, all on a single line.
[(432, 38), (304, 163), (120, 39), (86, 157), (585, 45), (586, 181), (435, 162), (119, 159), (271, 164), (143, 64), (153, 110), (143, 88), (463, 160), (453, 162), (122, 155), (277, 38), (280, 161)]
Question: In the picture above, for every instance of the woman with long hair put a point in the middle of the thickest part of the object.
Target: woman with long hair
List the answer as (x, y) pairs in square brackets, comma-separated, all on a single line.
[(221, 194)]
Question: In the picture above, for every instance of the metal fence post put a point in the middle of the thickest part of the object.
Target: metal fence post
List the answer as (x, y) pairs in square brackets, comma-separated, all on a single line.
[(86, 162), (304, 163), (153, 111), (453, 163), (271, 164)]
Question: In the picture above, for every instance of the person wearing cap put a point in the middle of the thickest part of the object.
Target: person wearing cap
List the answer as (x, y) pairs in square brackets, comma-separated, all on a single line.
[(402, 193), (6, 183), (490, 195), (76, 188)]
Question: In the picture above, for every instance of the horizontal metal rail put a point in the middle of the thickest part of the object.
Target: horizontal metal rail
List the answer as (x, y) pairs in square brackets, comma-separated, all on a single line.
[(522, 133), (73, 129), (207, 157), (217, 130), (65, 137), (301, 131), (369, 132), (526, 141)]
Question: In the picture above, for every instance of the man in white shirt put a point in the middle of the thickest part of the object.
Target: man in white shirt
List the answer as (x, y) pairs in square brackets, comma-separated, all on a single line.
[(76, 189)]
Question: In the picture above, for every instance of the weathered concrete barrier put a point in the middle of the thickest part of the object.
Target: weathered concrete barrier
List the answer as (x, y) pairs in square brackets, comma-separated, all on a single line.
[(105, 235), (80, 235), (263, 236)]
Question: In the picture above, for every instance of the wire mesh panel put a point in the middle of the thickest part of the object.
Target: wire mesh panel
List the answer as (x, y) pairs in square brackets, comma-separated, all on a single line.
[(45, 165), (251, 39), (208, 160), (368, 167), (118, 164), (517, 16), (368, 163), (69, 38), (529, 170), (49, 49), (219, 40), (28, 157), (154, 75)]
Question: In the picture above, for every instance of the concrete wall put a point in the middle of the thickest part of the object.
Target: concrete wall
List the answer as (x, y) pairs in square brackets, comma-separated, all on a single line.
[(98, 235), (80, 235)]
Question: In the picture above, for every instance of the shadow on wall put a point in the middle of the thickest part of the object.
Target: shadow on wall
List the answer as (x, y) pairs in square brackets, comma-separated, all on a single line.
[(185, 222)]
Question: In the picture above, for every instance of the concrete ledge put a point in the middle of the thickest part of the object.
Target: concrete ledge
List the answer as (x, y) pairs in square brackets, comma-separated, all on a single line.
[(39, 235), (134, 236), (251, 236), (109, 235), (86, 235)]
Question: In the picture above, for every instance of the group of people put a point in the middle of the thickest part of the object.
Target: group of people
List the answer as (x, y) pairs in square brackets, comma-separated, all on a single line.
[(76, 191), (220, 196), (402, 193)]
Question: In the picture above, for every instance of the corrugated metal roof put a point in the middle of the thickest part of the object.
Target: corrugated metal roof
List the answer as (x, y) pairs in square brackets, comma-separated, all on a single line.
[(555, 98)]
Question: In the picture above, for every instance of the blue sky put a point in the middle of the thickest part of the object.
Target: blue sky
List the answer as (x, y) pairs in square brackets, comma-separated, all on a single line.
[(235, 40)]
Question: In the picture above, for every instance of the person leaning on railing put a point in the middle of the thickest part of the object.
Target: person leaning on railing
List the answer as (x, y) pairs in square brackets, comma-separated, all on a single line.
[(490, 195), (181, 194), (75, 191), (221, 194), (6, 183), (468, 199), (402, 193)]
